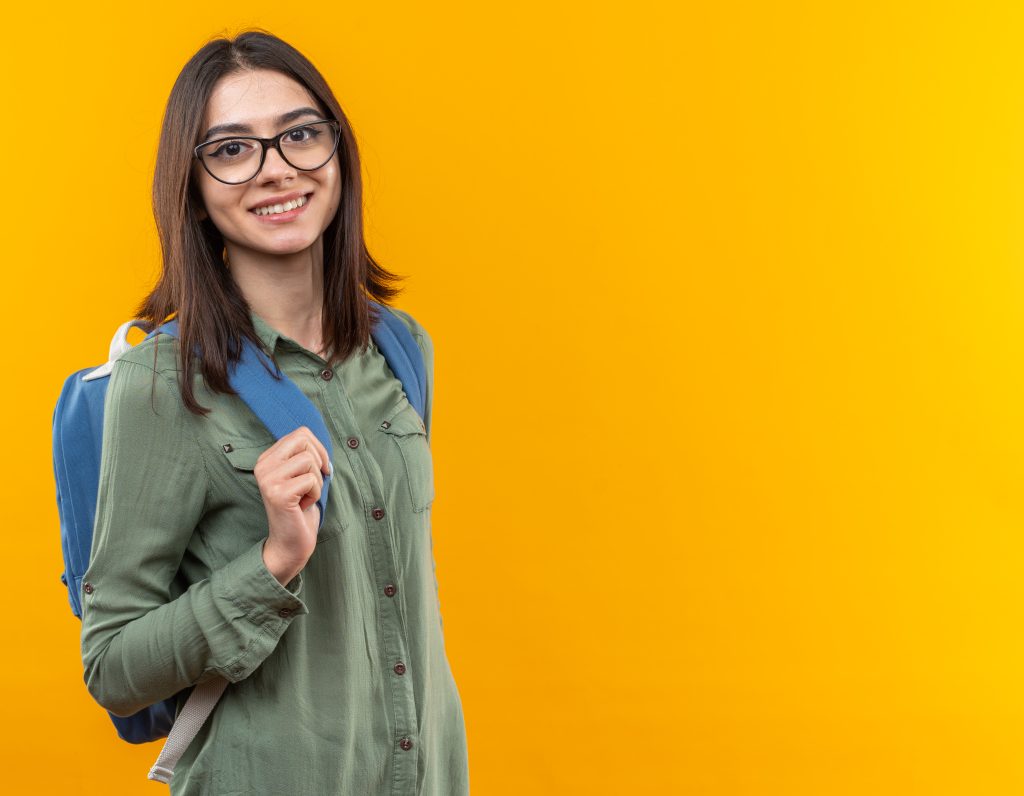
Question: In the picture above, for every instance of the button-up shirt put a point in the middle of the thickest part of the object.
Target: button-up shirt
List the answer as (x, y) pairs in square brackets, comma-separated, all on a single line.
[(338, 680)]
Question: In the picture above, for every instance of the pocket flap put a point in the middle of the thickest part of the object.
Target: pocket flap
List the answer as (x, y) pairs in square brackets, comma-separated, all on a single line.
[(244, 454), (404, 420)]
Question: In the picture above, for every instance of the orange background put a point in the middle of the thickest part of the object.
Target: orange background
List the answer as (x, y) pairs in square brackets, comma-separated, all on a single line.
[(726, 302)]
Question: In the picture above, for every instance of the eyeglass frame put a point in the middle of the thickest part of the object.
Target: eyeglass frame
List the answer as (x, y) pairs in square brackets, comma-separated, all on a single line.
[(266, 143)]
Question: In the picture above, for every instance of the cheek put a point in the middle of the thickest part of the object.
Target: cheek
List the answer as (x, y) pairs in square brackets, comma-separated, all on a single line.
[(335, 181), (335, 196), (219, 200)]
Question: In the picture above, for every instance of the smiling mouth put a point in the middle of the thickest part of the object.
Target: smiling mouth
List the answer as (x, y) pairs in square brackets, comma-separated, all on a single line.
[(269, 211)]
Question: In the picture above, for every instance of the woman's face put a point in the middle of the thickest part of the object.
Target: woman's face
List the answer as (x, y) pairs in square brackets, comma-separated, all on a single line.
[(257, 99)]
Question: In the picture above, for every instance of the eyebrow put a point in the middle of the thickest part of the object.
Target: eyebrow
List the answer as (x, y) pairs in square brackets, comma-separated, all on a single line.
[(237, 127)]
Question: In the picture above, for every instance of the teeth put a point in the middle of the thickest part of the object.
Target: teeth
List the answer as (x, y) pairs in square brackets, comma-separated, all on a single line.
[(274, 209)]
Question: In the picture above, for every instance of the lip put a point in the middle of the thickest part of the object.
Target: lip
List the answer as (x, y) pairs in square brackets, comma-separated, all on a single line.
[(283, 217), (280, 199)]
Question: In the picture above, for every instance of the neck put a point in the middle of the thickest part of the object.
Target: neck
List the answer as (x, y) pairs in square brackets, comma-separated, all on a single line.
[(286, 290)]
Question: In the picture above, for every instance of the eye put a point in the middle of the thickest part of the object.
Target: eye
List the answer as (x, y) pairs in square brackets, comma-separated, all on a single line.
[(230, 150), (302, 135)]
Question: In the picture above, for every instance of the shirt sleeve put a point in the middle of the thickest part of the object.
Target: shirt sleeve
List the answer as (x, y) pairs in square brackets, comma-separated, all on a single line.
[(140, 642)]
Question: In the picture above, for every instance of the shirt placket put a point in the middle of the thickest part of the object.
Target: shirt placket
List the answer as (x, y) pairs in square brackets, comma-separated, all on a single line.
[(377, 519)]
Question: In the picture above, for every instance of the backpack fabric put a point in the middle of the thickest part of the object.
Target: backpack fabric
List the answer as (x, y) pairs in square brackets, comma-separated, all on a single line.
[(279, 404)]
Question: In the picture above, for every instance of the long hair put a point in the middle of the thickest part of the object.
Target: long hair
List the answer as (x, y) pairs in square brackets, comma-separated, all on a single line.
[(212, 313)]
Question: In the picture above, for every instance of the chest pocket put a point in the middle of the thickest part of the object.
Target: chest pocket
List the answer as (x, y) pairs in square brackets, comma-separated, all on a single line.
[(406, 430), (243, 455)]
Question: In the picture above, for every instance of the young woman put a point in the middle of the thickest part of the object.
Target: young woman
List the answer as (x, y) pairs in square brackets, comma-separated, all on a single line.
[(208, 559)]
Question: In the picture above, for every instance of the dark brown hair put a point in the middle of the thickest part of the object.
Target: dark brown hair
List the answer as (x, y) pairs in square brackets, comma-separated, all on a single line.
[(211, 311)]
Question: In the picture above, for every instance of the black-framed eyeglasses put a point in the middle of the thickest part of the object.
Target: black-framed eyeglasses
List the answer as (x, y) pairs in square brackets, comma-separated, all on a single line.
[(305, 147)]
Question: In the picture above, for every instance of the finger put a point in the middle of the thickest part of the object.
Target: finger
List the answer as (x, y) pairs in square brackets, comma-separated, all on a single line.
[(310, 487), (328, 467), (291, 444), (325, 460), (295, 491), (305, 461)]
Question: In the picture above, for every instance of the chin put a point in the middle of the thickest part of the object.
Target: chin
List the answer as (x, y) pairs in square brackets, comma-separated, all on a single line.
[(281, 241)]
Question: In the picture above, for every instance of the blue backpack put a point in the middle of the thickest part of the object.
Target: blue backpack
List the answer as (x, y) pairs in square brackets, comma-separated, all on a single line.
[(279, 404)]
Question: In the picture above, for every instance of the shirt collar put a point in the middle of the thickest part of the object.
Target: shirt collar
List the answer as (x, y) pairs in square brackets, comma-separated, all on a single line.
[(267, 333)]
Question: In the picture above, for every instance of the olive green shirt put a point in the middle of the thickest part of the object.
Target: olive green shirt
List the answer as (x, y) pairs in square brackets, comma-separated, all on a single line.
[(338, 682)]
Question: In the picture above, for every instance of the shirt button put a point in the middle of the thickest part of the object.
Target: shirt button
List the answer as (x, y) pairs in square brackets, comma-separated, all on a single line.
[(228, 448), (390, 590), (284, 613), (385, 424), (399, 668), (87, 587), (326, 374), (377, 513), (352, 442), (406, 744)]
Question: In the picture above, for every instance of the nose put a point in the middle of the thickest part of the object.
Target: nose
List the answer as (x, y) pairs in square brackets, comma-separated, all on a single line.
[(275, 167)]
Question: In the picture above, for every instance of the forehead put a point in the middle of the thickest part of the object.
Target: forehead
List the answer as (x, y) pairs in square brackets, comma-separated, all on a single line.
[(255, 98)]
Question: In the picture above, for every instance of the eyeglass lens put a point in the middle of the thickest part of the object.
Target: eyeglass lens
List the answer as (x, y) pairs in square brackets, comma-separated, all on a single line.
[(238, 159)]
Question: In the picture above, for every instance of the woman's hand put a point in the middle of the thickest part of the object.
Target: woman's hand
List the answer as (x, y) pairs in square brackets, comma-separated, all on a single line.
[(290, 474)]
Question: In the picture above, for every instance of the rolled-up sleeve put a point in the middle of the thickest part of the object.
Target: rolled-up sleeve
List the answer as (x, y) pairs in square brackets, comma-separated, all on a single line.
[(141, 644)]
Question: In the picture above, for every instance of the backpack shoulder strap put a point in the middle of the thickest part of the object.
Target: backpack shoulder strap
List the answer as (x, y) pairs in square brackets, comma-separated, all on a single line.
[(282, 407), (404, 357), (274, 398)]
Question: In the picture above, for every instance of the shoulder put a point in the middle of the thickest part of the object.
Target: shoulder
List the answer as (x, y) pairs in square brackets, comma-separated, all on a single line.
[(158, 353), (145, 379)]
